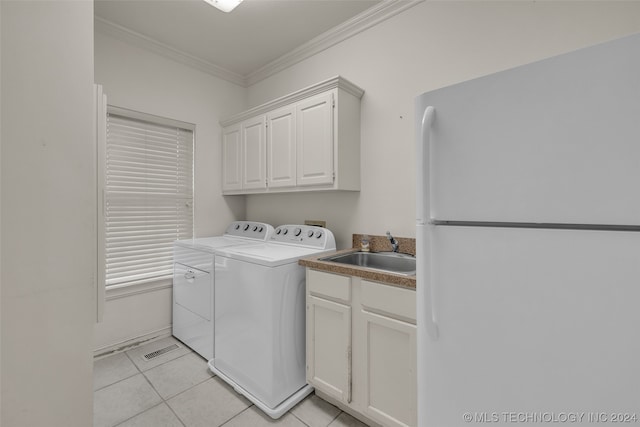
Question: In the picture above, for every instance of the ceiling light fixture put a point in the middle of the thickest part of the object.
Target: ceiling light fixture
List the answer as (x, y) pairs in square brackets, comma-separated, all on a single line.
[(224, 5)]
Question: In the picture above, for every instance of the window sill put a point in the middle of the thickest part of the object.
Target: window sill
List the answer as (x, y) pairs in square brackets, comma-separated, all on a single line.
[(129, 289)]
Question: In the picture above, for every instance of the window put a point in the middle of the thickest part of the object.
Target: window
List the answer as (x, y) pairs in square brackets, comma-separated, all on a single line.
[(147, 195)]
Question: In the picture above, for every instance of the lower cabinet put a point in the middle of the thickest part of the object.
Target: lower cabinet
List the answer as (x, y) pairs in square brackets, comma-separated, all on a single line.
[(361, 346)]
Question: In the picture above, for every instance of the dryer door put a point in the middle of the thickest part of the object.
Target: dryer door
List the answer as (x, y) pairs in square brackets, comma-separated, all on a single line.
[(192, 290)]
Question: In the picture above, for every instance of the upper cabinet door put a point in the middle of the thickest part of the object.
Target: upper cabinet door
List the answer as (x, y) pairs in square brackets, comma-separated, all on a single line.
[(254, 147), (314, 131), (231, 159), (281, 147)]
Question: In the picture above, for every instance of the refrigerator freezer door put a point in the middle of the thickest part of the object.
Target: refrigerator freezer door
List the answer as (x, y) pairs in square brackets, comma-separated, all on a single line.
[(533, 322), (556, 141)]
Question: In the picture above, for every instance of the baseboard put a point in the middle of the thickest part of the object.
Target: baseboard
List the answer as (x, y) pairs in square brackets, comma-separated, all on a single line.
[(131, 343)]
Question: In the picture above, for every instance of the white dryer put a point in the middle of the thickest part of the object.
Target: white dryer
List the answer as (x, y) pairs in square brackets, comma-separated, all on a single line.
[(193, 281), (260, 316)]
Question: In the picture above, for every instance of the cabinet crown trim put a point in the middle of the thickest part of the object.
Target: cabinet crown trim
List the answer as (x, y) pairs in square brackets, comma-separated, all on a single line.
[(332, 83)]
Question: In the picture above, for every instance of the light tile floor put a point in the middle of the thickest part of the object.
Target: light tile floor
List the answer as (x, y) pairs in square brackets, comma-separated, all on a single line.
[(177, 389)]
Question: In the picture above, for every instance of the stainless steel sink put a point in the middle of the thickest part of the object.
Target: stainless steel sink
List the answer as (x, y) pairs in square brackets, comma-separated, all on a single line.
[(385, 261)]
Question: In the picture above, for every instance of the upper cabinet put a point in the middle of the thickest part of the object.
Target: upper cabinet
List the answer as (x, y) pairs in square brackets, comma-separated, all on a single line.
[(308, 140)]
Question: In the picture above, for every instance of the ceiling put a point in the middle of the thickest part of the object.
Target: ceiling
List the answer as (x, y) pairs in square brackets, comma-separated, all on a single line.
[(239, 43)]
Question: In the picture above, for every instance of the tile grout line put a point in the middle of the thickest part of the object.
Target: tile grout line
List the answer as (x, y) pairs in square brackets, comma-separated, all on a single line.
[(336, 417), (133, 416), (184, 391), (165, 401), (236, 415), (119, 381), (131, 360), (174, 413), (298, 418), (302, 421), (147, 409), (141, 372)]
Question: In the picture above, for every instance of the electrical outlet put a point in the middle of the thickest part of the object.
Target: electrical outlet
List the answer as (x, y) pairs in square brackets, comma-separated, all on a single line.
[(315, 222)]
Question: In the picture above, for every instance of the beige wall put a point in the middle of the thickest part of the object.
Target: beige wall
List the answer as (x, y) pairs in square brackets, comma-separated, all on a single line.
[(140, 80), (48, 214), (433, 44), (0, 214)]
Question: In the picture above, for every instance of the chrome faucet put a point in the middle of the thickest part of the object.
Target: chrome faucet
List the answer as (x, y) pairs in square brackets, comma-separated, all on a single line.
[(394, 242)]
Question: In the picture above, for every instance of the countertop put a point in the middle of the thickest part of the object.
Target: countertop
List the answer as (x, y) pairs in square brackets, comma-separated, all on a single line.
[(353, 270)]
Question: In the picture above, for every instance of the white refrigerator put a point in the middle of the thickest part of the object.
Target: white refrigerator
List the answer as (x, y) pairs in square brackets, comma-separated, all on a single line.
[(528, 244)]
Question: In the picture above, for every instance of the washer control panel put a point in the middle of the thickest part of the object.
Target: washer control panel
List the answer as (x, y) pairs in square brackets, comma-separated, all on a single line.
[(304, 235), (250, 229)]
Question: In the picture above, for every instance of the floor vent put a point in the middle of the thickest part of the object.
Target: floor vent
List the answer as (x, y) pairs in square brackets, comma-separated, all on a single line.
[(160, 352)]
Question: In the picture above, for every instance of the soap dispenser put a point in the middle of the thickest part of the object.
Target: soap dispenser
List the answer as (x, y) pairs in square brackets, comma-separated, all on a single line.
[(364, 243)]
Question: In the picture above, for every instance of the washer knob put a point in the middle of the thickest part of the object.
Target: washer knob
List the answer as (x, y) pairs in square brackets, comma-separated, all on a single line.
[(310, 233), (246, 227), (285, 231), (297, 232), (318, 234), (278, 230), (260, 229), (237, 227), (255, 228)]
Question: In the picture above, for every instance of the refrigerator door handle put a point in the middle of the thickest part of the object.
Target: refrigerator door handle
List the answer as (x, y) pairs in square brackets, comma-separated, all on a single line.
[(423, 205), (425, 282), (424, 230)]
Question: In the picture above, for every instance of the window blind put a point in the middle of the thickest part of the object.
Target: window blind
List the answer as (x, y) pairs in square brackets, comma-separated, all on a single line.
[(148, 197)]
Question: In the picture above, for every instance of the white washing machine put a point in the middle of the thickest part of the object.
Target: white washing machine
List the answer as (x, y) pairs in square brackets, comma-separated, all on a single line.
[(193, 281), (260, 316)]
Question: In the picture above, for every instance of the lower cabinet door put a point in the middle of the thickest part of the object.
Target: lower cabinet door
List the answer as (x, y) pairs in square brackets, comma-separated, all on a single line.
[(389, 361), (329, 347)]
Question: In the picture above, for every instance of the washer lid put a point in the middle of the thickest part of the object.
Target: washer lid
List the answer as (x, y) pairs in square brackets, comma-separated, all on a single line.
[(210, 244), (269, 254)]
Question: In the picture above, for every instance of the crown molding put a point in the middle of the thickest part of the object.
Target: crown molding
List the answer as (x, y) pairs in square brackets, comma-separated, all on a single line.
[(332, 83), (365, 20), (140, 40)]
